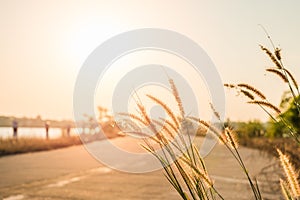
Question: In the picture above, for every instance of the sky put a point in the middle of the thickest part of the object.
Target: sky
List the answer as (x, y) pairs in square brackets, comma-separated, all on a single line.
[(43, 45)]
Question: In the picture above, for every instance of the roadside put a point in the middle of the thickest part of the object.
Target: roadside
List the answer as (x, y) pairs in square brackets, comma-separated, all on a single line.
[(26, 145), (269, 145), (72, 173), (10, 146)]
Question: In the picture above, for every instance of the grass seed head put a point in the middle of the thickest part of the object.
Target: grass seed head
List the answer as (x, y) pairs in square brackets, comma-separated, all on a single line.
[(271, 56), (266, 104), (279, 73), (290, 174), (252, 89)]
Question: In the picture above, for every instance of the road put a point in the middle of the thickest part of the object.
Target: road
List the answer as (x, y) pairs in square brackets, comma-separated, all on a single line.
[(72, 173)]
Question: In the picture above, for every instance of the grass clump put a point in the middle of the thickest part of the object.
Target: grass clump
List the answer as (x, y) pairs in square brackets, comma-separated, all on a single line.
[(25, 145), (183, 165), (290, 188)]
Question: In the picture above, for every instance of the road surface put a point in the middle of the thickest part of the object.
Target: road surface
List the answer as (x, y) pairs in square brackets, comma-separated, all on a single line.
[(72, 173)]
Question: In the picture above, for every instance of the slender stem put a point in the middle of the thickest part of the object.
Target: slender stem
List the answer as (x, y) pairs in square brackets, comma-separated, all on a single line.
[(291, 131), (240, 161)]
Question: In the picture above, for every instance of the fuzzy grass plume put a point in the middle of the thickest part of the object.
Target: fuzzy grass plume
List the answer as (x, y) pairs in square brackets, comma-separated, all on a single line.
[(266, 104), (272, 56), (252, 89), (167, 109), (231, 138), (279, 73), (186, 173), (290, 174), (247, 94), (177, 97)]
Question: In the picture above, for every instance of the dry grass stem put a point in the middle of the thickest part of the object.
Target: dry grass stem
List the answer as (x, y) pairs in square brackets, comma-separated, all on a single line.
[(247, 94), (216, 132), (215, 111), (164, 128), (292, 78), (135, 117), (251, 88), (195, 172), (267, 104), (277, 53), (166, 108), (231, 138), (271, 56), (279, 73), (229, 85), (172, 125), (177, 97), (144, 114), (290, 174), (285, 190)]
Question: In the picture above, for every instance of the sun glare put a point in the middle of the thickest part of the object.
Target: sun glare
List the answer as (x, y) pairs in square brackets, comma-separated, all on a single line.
[(88, 35), (125, 67)]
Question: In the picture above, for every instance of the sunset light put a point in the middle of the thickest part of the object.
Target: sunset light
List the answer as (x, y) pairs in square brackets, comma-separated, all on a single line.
[(159, 100)]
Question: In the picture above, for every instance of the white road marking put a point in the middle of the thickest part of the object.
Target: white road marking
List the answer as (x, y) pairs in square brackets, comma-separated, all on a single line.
[(15, 197), (103, 170), (62, 183), (65, 182)]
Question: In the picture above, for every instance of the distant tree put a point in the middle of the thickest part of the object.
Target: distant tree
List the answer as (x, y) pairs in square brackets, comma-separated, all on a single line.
[(290, 116), (250, 129)]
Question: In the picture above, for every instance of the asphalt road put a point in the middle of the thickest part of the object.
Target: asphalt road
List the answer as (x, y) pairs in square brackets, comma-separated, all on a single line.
[(72, 173)]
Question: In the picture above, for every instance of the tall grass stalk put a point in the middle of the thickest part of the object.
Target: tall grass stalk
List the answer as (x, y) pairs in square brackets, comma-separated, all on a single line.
[(260, 99), (290, 188), (183, 166)]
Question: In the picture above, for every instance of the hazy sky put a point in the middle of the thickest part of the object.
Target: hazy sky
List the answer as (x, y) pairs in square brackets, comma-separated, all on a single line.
[(44, 43)]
